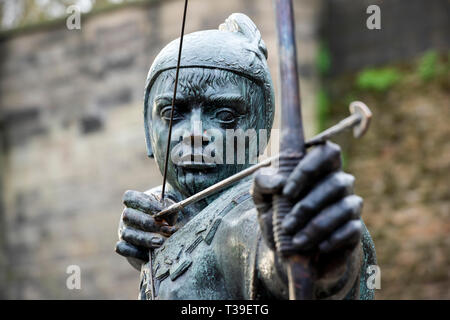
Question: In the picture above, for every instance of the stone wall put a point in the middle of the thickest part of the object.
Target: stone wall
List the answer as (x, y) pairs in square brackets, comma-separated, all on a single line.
[(408, 28), (72, 138)]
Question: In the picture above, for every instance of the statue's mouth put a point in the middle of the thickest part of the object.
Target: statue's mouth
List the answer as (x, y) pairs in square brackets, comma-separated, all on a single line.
[(196, 165), (194, 175), (196, 161)]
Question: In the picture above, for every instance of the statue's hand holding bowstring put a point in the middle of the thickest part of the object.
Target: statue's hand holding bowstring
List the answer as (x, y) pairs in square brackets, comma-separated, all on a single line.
[(138, 231)]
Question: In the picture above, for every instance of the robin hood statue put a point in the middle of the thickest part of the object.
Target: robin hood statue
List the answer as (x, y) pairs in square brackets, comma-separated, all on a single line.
[(223, 247)]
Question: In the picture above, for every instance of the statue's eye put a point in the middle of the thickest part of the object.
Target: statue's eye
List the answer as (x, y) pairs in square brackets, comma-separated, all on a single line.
[(226, 116), (166, 112)]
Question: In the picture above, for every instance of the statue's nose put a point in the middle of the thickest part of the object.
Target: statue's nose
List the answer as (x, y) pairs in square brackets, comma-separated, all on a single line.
[(193, 139), (194, 135), (197, 135)]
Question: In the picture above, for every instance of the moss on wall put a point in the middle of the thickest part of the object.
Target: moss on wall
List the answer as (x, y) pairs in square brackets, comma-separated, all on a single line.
[(402, 171)]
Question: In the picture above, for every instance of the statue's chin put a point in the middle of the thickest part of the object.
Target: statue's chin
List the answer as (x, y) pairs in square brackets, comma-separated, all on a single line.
[(194, 181), (190, 181)]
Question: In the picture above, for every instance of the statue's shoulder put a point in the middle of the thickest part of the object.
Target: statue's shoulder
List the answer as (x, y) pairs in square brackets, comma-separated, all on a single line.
[(240, 217), (237, 212)]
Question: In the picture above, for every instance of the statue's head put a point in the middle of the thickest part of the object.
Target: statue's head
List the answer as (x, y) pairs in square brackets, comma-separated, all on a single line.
[(224, 90)]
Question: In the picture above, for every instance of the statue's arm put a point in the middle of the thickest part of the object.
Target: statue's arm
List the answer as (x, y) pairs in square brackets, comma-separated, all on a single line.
[(347, 282), (254, 271), (324, 220)]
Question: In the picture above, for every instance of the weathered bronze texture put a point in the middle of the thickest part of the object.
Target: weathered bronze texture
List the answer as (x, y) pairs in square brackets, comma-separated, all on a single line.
[(221, 246)]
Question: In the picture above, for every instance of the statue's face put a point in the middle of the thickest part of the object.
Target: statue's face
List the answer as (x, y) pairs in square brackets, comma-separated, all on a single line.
[(210, 104)]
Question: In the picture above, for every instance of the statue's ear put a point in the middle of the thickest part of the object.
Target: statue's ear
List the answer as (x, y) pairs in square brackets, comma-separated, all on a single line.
[(148, 141), (147, 128), (149, 150)]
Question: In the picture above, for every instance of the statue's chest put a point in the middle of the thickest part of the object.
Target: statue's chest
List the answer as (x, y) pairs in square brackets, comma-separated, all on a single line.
[(194, 275), (186, 266)]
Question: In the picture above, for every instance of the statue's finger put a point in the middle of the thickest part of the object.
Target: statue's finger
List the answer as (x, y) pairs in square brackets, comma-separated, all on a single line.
[(266, 224), (168, 230), (346, 236), (263, 202), (327, 221), (316, 164), (140, 238), (127, 250), (142, 221), (331, 189), (141, 201), (268, 181)]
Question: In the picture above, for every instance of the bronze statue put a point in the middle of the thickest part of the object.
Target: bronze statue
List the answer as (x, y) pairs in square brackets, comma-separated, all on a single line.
[(223, 246)]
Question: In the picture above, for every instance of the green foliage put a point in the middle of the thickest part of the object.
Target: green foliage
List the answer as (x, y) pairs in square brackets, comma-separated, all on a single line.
[(428, 65), (323, 108), (323, 60), (350, 97), (378, 79), (344, 158)]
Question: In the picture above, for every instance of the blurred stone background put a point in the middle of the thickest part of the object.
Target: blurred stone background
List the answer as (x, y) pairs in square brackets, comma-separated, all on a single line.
[(72, 139)]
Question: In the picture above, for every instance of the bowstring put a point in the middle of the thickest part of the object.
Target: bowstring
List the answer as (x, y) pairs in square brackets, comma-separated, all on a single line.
[(173, 102)]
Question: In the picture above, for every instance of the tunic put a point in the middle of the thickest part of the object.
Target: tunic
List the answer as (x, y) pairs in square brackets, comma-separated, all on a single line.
[(220, 254)]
